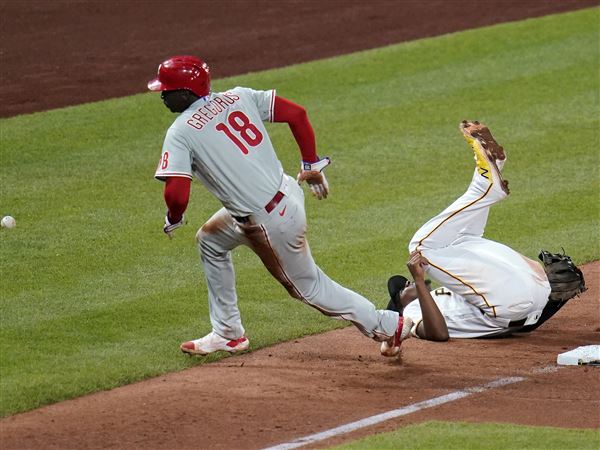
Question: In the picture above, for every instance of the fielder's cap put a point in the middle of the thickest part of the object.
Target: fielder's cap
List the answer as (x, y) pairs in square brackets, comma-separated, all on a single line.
[(396, 285)]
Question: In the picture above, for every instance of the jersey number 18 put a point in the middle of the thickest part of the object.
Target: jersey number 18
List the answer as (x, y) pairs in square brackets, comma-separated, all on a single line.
[(245, 129)]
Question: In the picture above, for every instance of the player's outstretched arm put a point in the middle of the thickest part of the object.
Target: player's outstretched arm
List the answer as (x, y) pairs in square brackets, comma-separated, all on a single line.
[(433, 327), (312, 167)]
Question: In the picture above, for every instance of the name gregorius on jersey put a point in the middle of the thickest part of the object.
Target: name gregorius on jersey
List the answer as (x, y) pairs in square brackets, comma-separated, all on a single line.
[(222, 141), (209, 111)]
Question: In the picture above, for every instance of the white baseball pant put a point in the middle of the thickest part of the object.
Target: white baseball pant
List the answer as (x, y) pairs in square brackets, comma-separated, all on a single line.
[(278, 238)]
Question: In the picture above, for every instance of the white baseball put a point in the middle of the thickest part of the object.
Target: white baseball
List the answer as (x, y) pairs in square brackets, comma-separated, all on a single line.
[(8, 222)]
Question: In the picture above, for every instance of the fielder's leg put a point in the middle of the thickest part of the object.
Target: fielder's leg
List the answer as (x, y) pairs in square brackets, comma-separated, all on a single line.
[(468, 214)]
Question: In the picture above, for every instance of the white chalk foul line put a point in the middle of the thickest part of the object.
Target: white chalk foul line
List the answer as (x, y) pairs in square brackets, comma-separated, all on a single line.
[(373, 420)]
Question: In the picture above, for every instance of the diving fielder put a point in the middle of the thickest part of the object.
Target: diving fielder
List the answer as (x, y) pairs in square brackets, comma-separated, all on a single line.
[(489, 289)]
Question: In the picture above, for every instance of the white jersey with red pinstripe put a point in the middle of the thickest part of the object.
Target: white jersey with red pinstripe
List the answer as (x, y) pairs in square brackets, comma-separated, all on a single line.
[(221, 140)]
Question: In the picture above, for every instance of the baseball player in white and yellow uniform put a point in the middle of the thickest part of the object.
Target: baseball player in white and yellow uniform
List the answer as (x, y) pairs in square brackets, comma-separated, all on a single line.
[(220, 139), (488, 288)]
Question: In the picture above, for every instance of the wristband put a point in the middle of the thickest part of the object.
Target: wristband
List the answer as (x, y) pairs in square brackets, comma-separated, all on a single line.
[(316, 166)]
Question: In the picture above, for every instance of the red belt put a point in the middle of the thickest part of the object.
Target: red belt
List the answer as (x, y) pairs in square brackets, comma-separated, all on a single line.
[(268, 207), (274, 202)]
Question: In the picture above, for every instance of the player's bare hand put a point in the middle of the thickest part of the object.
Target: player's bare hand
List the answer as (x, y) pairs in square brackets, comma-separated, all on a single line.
[(416, 265)]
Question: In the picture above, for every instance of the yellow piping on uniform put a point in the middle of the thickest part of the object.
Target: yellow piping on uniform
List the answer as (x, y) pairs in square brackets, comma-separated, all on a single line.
[(466, 284), (455, 213)]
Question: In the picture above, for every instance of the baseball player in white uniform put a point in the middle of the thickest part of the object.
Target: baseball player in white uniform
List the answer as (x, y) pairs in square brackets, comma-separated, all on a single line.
[(488, 288), (220, 139)]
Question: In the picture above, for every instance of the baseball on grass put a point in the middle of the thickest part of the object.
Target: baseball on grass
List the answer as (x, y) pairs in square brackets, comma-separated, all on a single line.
[(8, 222)]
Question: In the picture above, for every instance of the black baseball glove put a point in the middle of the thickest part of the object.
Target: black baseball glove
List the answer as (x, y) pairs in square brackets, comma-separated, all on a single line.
[(566, 280)]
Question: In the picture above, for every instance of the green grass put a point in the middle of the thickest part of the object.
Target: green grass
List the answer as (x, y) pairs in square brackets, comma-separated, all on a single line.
[(94, 295), (464, 436)]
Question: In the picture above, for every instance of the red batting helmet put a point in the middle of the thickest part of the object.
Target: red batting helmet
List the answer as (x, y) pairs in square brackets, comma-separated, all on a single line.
[(182, 72)]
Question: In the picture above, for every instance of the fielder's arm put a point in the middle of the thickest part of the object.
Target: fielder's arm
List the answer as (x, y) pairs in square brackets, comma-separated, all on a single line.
[(433, 326)]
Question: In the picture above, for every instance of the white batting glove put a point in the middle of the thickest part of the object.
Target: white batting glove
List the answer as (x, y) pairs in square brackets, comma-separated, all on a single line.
[(313, 174), (169, 227)]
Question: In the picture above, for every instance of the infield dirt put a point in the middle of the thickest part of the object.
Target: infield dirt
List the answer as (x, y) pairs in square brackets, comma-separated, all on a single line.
[(62, 53)]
